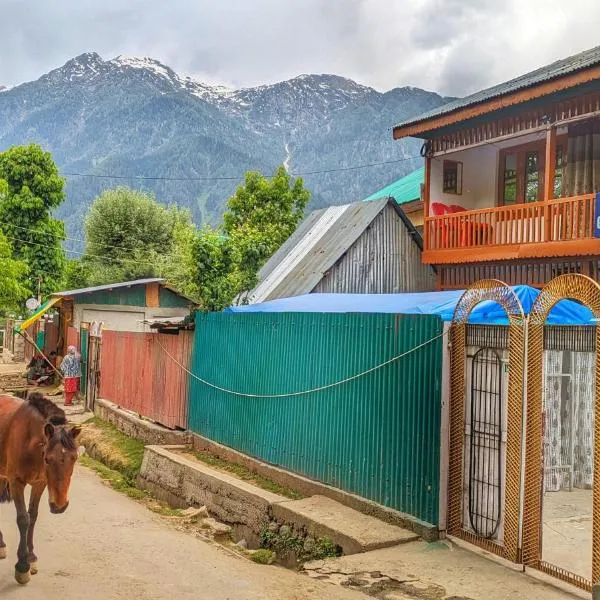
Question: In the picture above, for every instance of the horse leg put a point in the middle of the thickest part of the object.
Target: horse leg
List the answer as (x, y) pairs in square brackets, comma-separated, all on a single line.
[(34, 503), (17, 490), (3, 552)]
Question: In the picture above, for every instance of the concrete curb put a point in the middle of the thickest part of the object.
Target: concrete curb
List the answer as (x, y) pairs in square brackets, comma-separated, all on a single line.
[(140, 429), (308, 487)]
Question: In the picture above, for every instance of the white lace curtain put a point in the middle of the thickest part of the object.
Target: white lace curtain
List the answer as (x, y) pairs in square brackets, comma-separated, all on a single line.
[(582, 175)]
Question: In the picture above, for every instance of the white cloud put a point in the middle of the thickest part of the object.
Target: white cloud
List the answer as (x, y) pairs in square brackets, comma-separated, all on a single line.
[(451, 46)]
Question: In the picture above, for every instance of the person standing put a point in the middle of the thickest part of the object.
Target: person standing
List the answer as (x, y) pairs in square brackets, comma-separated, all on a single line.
[(71, 370)]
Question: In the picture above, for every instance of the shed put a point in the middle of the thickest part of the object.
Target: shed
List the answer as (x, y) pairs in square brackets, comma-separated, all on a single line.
[(364, 247)]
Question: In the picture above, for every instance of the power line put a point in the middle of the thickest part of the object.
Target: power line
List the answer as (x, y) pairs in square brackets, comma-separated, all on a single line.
[(61, 238), (98, 257), (237, 177)]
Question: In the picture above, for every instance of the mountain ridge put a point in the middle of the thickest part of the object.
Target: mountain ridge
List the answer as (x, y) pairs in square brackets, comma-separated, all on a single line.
[(136, 117)]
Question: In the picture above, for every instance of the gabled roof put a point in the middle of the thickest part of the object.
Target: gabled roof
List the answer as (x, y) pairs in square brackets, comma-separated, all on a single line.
[(560, 68), (318, 243), (404, 190), (109, 287)]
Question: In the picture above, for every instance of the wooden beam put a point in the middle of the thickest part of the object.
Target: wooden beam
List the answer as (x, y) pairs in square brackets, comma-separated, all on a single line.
[(550, 164), (426, 199), (531, 93), (457, 256), (549, 172)]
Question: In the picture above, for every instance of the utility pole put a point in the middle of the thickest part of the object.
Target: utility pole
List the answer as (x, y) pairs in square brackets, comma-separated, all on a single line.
[(39, 294)]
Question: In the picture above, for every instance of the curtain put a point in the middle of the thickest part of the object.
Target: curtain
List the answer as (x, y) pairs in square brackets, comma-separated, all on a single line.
[(582, 175)]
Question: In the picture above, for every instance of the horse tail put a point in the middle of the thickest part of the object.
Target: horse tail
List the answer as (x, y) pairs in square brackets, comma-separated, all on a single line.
[(5, 494)]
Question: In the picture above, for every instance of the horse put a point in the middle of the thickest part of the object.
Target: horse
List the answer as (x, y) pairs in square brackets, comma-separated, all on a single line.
[(37, 448)]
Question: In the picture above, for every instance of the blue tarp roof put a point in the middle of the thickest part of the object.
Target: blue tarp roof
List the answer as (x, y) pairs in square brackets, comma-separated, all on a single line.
[(566, 312)]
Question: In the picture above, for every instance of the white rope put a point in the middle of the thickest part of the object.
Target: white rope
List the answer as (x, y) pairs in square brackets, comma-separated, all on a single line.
[(302, 393)]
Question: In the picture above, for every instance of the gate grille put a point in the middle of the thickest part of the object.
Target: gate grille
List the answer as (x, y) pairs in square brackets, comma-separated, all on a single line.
[(485, 443)]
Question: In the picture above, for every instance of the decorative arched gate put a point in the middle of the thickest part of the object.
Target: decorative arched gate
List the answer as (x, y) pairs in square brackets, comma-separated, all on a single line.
[(484, 497), (585, 291)]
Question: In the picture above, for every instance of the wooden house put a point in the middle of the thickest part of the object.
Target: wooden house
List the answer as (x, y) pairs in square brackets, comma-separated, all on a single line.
[(511, 178)]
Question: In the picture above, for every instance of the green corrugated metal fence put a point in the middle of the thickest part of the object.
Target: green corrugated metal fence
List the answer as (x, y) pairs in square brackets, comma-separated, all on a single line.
[(377, 436)]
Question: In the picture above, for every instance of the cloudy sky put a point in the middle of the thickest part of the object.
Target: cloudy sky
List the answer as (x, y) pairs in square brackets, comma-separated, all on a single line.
[(451, 46)]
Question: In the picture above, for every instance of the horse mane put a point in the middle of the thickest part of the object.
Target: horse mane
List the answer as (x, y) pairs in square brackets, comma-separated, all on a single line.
[(47, 408)]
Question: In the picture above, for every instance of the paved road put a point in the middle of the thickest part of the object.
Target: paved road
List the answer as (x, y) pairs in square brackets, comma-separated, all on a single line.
[(107, 547)]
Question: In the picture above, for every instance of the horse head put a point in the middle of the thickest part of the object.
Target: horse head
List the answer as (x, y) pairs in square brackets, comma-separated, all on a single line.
[(60, 455)]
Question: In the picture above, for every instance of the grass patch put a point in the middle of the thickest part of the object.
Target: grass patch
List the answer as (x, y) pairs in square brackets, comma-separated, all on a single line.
[(115, 450), (116, 480), (245, 474), (264, 557)]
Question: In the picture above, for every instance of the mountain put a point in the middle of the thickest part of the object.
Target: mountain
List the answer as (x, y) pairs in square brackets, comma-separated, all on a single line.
[(108, 122)]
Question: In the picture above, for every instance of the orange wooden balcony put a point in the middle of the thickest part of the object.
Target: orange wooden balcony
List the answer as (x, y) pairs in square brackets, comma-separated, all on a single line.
[(562, 227)]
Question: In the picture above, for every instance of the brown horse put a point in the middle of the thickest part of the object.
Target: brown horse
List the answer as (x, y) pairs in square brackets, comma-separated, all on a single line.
[(37, 448)]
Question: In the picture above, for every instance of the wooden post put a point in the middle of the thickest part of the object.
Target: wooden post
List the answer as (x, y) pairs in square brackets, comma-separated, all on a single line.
[(426, 199), (549, 173)]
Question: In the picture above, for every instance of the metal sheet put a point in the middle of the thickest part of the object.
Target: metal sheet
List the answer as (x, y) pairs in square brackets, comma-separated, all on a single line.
[(136, 374), (384, 260), (377, 436), (309, 254)]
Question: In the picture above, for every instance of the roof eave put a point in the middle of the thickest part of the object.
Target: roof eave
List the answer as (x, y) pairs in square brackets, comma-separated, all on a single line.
[(419, 128)]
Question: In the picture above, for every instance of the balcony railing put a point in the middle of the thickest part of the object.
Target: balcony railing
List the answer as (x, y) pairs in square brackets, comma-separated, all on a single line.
[(561, 220)]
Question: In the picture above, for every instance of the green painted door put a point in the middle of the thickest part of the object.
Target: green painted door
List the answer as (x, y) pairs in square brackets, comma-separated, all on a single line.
[(83, 349)]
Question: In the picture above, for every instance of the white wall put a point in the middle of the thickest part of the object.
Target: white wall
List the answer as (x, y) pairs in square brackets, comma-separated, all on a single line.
[(480, 172), (479, 178), (122, 318)]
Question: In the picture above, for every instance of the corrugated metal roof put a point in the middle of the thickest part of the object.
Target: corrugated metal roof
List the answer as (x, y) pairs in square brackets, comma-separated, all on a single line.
[(565, 66), (406, 189), (313, 249), (109, 286)]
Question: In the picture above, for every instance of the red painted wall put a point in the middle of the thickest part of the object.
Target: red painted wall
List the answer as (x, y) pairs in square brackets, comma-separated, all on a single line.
[(136, 374)]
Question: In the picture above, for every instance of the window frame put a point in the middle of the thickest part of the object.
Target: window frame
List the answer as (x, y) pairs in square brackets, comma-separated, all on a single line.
[(459, 176)]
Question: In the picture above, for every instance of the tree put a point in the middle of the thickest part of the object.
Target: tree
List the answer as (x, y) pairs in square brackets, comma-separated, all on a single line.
[(220, 265), (32, 189), (129, 236), (12, 273)]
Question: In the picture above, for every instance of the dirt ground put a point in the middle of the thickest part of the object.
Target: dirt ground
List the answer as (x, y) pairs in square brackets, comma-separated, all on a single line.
[(108, 547)]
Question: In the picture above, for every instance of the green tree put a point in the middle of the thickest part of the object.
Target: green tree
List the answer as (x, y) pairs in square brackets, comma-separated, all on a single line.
[(219, 266), (32, 189), (129, 236), (77, 275), (12, 274)]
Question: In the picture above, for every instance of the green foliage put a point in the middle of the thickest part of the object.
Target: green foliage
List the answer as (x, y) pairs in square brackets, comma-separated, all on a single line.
[(77, 275), (129, 235), (285, 542), (31, 190), (219, 265), (264, 557), (13, 273)]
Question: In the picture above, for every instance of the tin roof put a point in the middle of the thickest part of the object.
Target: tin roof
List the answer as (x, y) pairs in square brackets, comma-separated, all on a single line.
[(108, 287), (560, 68), (406, 189), (318, 243)]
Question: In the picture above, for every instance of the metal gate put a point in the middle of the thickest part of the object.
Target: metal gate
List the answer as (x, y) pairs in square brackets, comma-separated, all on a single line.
[(491, 498), (484, 438), (587, 292)]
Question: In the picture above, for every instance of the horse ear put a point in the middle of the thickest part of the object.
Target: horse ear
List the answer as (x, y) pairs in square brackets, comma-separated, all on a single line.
[(75, 431), (49, 430)]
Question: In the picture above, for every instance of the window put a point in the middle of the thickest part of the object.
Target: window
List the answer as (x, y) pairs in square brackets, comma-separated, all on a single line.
[(521, 172), (452, 177)]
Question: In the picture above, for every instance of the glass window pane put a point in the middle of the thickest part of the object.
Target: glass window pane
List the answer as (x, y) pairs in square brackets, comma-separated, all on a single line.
[(532, 177), (558, 174), (510, 179)]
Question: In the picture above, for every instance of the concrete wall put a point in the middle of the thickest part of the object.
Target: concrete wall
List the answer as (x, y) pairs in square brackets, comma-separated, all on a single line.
[(122, 318)]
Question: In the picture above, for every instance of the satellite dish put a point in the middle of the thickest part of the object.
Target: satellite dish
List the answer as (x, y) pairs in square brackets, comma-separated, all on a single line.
[(32, 304)]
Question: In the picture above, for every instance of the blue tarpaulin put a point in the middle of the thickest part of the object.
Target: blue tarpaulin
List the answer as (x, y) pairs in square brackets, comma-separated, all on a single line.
[(566, 312)]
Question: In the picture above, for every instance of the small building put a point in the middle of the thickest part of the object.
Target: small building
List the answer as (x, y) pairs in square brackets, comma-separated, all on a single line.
[(407, 192), (364, 247), (126, 306)]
